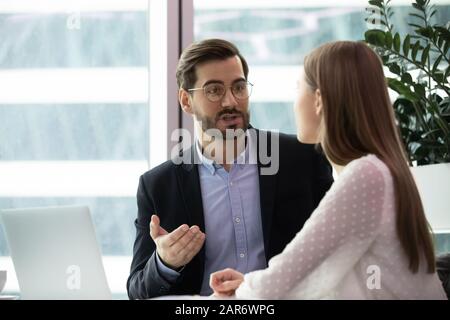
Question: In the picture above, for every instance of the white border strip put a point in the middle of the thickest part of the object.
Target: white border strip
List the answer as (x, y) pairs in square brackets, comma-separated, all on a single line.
[(64, 6), (157, 81), (118, 85), (71, 85), (292, 4), (164, 40), (130, 85), (70, 178), (273, 83)]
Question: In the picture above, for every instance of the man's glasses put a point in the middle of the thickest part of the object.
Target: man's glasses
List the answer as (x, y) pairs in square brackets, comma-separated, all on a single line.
[(214, 92)]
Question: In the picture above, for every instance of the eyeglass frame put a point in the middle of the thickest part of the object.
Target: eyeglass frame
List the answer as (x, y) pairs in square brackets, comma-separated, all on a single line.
[(248, 84)]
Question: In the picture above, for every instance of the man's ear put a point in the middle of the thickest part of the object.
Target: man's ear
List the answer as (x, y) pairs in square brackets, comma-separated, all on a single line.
[(318, 102), (185, 101)]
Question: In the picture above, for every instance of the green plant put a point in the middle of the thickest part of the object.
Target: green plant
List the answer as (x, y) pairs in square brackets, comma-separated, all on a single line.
[(420, 64)]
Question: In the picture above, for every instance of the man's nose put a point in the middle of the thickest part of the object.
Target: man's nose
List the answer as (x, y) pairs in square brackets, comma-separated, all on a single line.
[(228, 99)]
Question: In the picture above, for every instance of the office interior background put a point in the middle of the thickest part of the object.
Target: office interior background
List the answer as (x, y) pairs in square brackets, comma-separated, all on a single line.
[(88, 95)]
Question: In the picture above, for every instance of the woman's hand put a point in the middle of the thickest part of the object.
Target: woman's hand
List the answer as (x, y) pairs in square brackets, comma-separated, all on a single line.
[(225, 282)]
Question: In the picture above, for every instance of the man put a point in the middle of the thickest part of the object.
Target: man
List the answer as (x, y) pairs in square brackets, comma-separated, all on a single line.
[(213, 207)]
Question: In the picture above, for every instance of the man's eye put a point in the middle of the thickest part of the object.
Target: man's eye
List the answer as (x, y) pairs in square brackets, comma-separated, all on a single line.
[(239, 87), (214, 89)]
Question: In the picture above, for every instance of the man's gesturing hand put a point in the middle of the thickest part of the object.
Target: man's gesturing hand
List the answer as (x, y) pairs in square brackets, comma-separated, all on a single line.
[(178, 247)]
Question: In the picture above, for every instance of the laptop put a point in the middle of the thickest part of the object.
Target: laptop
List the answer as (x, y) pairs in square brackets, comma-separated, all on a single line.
[(55, 253)]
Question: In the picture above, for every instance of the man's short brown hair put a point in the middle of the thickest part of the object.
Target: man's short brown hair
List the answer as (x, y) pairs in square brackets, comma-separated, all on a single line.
[(201, 52)]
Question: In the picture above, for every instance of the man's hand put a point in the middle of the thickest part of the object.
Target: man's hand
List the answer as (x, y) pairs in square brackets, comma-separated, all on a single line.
[(225, 282), (177, 248)]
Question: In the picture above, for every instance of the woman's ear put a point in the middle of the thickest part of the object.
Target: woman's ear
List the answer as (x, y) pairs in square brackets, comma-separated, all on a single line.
[(185, 101), (318, 102)]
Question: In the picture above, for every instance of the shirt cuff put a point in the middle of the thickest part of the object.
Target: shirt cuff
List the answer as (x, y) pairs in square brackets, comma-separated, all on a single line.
[(169, 274)]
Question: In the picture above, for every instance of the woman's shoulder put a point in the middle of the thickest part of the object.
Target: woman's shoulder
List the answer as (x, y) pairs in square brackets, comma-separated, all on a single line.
[(369, 164), (367, 169)]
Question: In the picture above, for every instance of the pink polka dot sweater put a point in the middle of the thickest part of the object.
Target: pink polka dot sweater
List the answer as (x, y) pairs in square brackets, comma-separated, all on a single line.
[(348, 249)]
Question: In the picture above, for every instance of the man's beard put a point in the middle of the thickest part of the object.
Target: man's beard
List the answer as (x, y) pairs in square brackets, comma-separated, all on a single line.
[(209, 123)]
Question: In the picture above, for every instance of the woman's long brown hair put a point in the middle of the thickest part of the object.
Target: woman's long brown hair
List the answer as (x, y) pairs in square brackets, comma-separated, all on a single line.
[(358, 119)]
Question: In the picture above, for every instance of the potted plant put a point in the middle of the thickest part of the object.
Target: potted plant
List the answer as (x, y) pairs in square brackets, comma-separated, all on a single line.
[(419, 63)]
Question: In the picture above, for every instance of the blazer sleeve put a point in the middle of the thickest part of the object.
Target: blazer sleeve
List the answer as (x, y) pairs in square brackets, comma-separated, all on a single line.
[(145, 281)]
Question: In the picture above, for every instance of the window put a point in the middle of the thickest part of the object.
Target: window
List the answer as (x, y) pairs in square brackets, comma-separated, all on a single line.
[(75, 119)]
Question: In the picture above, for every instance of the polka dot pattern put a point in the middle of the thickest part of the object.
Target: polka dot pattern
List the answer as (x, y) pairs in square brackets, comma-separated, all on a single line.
[(352, 228)]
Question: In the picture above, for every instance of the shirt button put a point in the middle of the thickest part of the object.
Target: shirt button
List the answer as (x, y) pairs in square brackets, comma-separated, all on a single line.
[(242, 255), (237, 220), (231, 183)]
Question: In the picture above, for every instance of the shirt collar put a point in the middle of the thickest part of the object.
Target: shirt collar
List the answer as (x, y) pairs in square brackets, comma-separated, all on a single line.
[(245, 157)]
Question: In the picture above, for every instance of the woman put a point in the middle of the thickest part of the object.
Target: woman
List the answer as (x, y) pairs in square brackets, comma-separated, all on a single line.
[(368, 238)]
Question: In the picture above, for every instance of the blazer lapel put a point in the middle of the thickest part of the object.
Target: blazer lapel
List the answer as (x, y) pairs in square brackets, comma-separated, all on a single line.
[(190, 191), (189, 183), (267, 190)]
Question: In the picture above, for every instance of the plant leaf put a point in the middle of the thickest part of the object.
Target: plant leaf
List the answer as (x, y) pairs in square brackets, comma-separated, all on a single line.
[(421, 2), (415, 50), (440, 41), (425, 32), (430, 132), (389, 9), (443, 32), (395, 68), (417, 6), (425, 54), (375, 37), (397, 42), (447, 72), (418, 16), (406, 78), (406, 45), (414, 25), (434, 37), (436, 64), (433, 13), (401, 89), (419, 89), (376, 3), (446, 46), (388, 40), (439, 76)]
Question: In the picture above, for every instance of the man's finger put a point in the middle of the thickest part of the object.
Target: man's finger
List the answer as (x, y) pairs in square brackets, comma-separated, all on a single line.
[(226, 294), (175, 235), (154, 227), (193, 247), (229, 285), (225, 274), (178, 258), (186, 239), (214, 282), (162, 231)]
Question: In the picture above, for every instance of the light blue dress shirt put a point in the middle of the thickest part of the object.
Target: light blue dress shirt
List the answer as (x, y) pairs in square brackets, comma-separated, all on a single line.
[(232, 214)]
